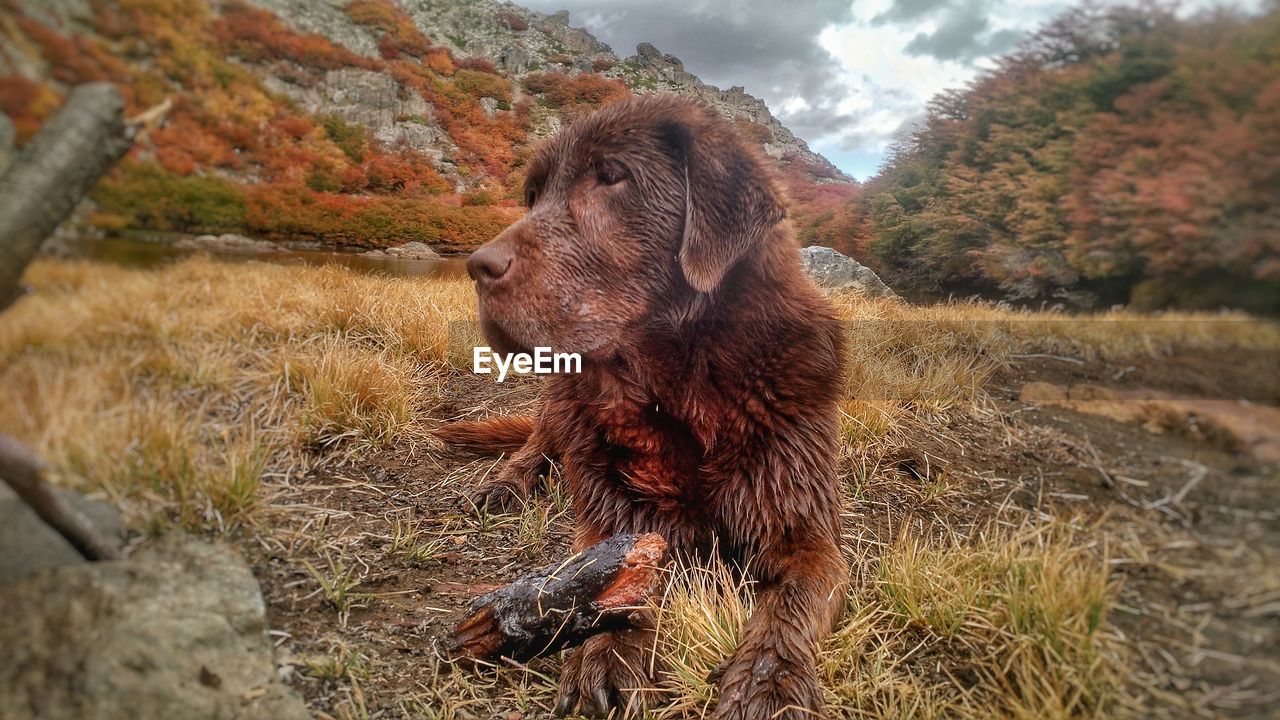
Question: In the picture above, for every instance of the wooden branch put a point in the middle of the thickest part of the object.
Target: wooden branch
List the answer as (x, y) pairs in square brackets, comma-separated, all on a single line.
[(597, 590), (53, 172), (22, 470)]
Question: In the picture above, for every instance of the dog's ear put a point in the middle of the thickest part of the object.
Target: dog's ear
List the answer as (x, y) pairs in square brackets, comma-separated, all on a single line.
[(730, 203)]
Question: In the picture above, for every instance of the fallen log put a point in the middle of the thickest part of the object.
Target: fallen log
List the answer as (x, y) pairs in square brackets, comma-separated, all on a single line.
[(53, 171), (600, 589)]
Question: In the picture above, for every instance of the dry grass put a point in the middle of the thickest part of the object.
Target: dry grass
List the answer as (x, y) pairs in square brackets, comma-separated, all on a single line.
[(174, 392), (936, 358), (1007, 623), (199, 394)]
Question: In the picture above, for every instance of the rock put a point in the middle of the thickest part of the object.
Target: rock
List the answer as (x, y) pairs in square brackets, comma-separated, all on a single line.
[(27, 544), (391, 112), (834, 271), (472, 28), (668, 67), (324, 18), (513, 58), (176, 631), (647, 51), (409, 251)]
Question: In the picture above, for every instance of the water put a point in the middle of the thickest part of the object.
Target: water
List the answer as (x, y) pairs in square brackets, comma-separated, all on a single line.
[(155, 250)]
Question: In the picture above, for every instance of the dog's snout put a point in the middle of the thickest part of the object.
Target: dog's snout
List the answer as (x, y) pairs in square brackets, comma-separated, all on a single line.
[(489, 263)]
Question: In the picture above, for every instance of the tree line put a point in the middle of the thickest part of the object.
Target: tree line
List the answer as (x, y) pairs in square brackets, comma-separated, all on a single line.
[(1120, 154)]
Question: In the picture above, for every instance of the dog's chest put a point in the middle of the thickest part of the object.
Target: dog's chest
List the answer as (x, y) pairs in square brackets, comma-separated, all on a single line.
[(648, 451)]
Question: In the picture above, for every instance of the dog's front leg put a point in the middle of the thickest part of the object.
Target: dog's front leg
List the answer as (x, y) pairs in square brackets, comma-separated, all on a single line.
[(519, 476), (773, 673)]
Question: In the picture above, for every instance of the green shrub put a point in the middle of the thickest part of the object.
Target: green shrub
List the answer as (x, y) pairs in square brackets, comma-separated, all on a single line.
[(145, 195), (350, 138), (483, 84)]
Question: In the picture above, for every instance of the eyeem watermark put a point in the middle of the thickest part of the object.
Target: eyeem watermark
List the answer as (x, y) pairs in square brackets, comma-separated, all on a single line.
[(541, 362)]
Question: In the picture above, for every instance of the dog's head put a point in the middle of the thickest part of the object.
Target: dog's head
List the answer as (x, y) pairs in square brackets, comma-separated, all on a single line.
[(646, 201)]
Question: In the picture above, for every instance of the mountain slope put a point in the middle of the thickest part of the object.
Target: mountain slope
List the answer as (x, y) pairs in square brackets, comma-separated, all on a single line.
[(360, 123)]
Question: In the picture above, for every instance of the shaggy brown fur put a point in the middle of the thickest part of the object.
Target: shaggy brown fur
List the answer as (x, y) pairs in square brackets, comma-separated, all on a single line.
[(655, 245)]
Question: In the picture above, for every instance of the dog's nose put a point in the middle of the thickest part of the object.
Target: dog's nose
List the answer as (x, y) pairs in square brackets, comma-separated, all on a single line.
[(489, 263)]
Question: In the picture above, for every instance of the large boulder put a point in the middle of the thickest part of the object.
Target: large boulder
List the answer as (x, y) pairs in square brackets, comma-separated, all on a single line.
[(176, 631), (833, 271)]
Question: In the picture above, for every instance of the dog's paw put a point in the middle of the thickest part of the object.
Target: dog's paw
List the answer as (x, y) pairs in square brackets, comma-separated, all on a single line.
[(498, 496), (609, 672), (762, 686), (509, 492)]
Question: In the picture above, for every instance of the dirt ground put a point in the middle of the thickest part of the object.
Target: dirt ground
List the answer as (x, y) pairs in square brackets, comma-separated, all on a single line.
[(1192, 530), (1198, 526)]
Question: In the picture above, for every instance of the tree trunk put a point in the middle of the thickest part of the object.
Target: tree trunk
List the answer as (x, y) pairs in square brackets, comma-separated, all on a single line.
[(38, 190), (21, 469), (54, 171)]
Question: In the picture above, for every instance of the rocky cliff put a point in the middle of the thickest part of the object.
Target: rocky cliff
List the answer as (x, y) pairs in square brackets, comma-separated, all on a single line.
[(518, 41)]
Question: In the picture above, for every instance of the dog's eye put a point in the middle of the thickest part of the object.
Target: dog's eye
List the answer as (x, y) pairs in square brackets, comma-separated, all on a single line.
[(610, 173), (530, 197)]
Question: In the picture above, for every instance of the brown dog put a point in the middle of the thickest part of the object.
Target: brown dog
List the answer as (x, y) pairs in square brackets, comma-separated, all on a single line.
[(655, 246)]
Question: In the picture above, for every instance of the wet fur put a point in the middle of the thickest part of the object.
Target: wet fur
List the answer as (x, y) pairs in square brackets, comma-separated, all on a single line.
[(705, 409)]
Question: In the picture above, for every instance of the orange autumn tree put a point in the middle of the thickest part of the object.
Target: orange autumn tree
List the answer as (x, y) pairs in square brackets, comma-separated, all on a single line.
[(1120, 151)]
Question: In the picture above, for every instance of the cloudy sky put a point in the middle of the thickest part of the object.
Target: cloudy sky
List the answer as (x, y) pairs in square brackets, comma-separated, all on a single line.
[(845, 76)]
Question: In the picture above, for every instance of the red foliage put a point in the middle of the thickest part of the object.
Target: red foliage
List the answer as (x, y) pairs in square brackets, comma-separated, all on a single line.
[(293, 166), (510, 20), (482, 84), (27, 103), (73, 59), (560, 90), (403, 172), (176, 160), (486, 143), (439, 60), (825, 213), (183, 142), (295, 127), (257, 35), (478, 64), (400, 35), (285, 211)]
